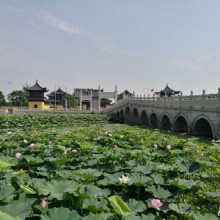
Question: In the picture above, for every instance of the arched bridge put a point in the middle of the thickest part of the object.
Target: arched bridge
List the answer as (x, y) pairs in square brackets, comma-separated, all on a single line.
[(194, 114)]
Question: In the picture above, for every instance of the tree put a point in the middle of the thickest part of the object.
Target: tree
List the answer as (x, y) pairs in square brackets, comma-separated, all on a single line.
[(18, 98), (71, 101), (2, 99)]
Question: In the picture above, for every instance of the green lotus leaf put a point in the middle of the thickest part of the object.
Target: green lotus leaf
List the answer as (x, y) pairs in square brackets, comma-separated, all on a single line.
[(158, 178), (17, 209), (119, 206), (148, 169), (136, 206), (5, 216), (101, 216), (158, 192), (87, 174), (5, 165), (27, 189), (6, 192), (207, 216), (86, 191), (61, 213), (212, 194), (142, 217), (139, 180), (95, 205), (188, 166), (181, 208), (56, 189), (183, 184)]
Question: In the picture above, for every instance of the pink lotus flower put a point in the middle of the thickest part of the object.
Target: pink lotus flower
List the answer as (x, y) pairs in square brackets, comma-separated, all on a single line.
[(168, 147), (155, 146), (74, 151), (32, 145), (43, 203), (64, 153), (201, 154), (17, 155), (156, 203)]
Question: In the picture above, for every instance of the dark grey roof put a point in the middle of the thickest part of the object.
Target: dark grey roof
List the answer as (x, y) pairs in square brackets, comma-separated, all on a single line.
[(36, 87), (168, 91)]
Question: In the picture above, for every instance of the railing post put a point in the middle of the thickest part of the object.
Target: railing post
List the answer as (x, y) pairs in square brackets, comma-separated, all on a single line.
[(203, 98), (191, 100), (218, 98)]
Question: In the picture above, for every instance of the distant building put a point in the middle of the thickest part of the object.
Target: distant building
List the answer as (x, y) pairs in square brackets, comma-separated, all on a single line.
[(36, 98), (167, 92), (94, 99), (125, 94), (57, 97)]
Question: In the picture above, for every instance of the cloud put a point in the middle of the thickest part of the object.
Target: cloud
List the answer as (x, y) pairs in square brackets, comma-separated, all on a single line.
[(198, 65), (60, 24)]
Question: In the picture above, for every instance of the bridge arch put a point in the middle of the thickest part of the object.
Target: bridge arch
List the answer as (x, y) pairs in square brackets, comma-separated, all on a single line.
[(202, 126), (135, 116), (181, 123), (122, 113), (144, 118), (153, 120), (127, 114), (165, 122)]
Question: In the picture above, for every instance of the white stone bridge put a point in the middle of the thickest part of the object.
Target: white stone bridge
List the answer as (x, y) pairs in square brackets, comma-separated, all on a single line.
[(194, 114)]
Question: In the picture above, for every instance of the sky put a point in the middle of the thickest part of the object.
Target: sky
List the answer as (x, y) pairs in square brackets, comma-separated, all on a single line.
[(137, 45)]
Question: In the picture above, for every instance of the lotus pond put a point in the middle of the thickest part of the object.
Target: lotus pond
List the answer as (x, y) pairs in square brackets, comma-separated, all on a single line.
[(76, 167)]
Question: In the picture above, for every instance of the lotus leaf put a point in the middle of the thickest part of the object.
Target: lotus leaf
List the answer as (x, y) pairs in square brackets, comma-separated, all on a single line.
[(119, 206), (56, 189), (5, 216), (7, 192), (158, 192), (17, 209), (61, 213)]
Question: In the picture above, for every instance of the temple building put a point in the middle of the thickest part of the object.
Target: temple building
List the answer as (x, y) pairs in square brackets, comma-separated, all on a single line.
[(167, 92), (95, 99), (57, 98), (125, 94), (36, 98)]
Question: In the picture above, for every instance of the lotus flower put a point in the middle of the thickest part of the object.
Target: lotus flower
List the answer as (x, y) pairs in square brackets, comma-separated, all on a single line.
[(74, 151), (64, 153), (9, 132), (110, 135), (43, 203), (121, 136), (25, 141), (155, 146), (156, 203), (124, 179), (201, 154), (168, 147), (32, 145), (18, 155)]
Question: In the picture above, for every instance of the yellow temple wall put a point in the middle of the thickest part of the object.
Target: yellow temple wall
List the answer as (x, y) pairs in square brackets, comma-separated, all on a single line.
[(38, 106)]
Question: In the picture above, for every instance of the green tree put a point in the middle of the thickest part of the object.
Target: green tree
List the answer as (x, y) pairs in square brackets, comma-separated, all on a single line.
[(18, 98), (71, 101), (2, 99)]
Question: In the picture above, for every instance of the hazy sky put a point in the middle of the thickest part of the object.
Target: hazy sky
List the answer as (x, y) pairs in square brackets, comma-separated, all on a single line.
[(135, 44)]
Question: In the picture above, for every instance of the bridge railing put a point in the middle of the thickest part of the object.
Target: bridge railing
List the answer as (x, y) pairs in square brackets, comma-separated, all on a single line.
[(204, 101)]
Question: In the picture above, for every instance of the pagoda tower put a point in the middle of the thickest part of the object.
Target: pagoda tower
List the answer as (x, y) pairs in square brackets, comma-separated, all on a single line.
[(36, 96), (167, 92)]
